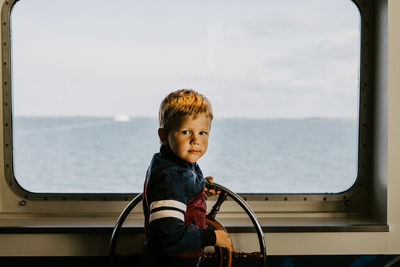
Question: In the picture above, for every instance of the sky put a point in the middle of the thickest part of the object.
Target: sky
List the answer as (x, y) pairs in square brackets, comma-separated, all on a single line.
[(252, 59)]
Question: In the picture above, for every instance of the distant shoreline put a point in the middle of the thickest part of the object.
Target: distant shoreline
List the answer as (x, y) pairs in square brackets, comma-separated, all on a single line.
[(131, 118)]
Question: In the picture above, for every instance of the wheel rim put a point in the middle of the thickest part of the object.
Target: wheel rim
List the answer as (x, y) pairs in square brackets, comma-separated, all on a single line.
[(246, 208), (211, 217)]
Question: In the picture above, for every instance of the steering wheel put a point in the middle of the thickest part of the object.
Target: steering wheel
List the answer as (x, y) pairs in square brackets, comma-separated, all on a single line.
[(224, 255)]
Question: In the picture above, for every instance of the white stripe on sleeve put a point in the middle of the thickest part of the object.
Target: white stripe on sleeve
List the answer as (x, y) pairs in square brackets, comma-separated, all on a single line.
[(165, 214), (167, 208), (168, 203)]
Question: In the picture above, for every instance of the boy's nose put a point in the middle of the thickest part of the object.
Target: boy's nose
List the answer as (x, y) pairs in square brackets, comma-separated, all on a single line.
[(195, 139)]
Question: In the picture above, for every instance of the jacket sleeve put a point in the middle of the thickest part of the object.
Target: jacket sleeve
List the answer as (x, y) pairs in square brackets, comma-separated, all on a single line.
[(168, 197)]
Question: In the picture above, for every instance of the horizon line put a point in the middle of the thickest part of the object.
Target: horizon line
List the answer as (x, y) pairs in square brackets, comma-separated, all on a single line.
[(215, 118)]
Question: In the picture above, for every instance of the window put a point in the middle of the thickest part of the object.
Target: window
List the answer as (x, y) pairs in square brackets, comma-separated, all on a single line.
[(282, 76)]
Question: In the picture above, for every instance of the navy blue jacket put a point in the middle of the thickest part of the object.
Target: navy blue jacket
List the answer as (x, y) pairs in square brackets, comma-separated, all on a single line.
[(174, 207)]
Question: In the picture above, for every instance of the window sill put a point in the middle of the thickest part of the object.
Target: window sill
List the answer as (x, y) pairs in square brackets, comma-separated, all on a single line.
[(88, 225)]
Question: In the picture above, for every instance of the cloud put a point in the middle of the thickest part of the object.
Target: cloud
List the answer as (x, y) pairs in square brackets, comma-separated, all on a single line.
[(247, 56)]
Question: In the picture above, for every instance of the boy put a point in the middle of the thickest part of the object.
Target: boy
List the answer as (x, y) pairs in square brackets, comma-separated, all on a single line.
[(173, 195)]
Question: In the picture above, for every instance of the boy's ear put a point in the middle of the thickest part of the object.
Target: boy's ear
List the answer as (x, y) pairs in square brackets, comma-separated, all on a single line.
[(162, 135)]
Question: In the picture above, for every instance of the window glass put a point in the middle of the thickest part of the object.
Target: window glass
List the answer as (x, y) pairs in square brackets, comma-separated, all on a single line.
[(282, 76)]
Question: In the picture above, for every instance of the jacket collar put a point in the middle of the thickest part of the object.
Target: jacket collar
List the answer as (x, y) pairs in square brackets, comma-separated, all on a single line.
[(167, 153)]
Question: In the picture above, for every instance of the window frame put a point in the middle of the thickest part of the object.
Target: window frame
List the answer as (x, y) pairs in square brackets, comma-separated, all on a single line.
[(352, 200)]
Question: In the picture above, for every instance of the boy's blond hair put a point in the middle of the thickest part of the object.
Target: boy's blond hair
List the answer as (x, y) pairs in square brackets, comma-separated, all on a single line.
[(180, 103)]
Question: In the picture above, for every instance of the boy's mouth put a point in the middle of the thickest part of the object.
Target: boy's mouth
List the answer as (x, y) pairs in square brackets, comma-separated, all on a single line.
[(194, 151)]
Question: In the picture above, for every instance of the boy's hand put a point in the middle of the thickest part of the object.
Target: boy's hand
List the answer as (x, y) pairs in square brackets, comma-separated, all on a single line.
[(223, 240), (209, 190)]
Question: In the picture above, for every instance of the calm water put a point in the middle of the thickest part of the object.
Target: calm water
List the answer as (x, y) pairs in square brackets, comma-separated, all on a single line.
[(81, 154)]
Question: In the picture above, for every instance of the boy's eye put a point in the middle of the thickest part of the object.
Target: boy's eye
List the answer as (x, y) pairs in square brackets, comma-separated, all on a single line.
[(185, 132), (203, 133)]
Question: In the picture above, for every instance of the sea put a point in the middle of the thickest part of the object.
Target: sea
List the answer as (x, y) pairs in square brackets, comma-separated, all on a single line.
[(109, 155)]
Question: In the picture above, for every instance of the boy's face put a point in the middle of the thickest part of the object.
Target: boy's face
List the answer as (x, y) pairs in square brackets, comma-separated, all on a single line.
[(189, 137)]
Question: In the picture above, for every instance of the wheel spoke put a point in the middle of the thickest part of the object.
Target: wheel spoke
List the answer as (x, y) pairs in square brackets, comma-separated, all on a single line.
[(215, 209)]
